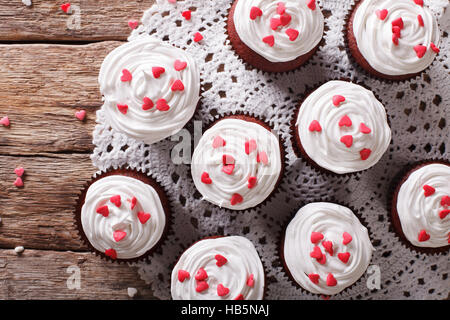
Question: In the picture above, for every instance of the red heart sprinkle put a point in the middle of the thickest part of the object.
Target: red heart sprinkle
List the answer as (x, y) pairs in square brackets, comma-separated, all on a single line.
[(316, 237), (423, 236), (187, 14), (205, 178), (251, 182), (251, 281), (395, 39), (315, 126), (312, 4), (148, 104), (201, 286), (119, 235), (179, 65), (221, 260), (19, 182), (201, 275), (270, 40), (133, 24), (285, 19), (347, 238), (322, 260), (365, 154), (445, 201), (5, 121), (158, 71), (364, 129), (65, 7), (281, 8), (338, 99), (222, 291), (183, 275), (177, 86), (344, 256), (381, 14), (116, 200), (434, 48), (111, 253), (292, 34), (236, 199), (198, 37), (429, 190), (104, 211), (398, 23), (162, 105), (316, 253), (255, 12), (444, 213), (250, 146), (19, 171), (228, 168), (227, 159), (419, 2), (133, 202), (274, 23), (123, 108), (420, 50), (218, 142), (397, 31), (345, 121), (420, 19), (262, 157), (80, 115), (331, 281), (239, 297), (143, 217), (314, 277), (328, 245), (126, 76), (347, 140)]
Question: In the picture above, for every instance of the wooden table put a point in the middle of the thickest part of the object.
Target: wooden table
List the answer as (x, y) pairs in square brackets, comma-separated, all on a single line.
[(48, 72)]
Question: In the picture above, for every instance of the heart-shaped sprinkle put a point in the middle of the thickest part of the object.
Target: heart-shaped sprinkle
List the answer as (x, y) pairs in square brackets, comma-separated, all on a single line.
[(201, 275), (133, 24), (445, 201), (345, 121), (420, 19), (292, 34), (19, 171), (316, 237), (172, 1), (331, 281), (269, 40), (221, 290), (251, 281), (80, 115), (250, 146), (443, 213), (201, 286), (178, 86), (314, 277), (148, 104), (365, 154), (347, 238), (344, 256), (126, 76), (218, 142), (162, 105), (428, 190), (143, 217), (116, 200), (65, 7), (198, 37), (395, 39), (5, 121), (179, 65), (316, 253), (104, 211), (18, 182), (228, 159), (381, 14), (228, 168), (183, 275), (347, 140), (285, 19), (434, 48), (262, 157), (158, 71), (419, 2), (364, 129), (338, 99), (398, 23), (251, 182), (423, 236), (111, 253), (328, 245), (187, 14), (236, 199), (220, 260), (239, 297), (315, 126), (205, 178), (322, 260), (123, 108), (133, 202), (397, 31), (255, 12), (420, 50), (119, 235), (281, 8), (312, 4), (275, 23)]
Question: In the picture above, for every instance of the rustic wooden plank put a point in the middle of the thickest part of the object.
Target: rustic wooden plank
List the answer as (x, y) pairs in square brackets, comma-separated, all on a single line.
[(45, 21), (38, 274), (42, 87)]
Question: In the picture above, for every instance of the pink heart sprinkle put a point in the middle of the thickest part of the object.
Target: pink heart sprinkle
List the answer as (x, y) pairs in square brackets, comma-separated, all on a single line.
[(292, 34), (269, 40), (428, 190), (312, 4), (143, 217), (133, 202), (364, 129), (328, 245), (316, 237), (123, 108), (133, 24), (275, 23), (347, 140), (251, 182), (158, 71), (218, 142), (179, 65), (104, 211), (338, 99), (419, 2), (222, 291), (198, 37), (111, 253), (316, 253), (5, 121), (201, 275), (65, 7), (250, 146), (220, 260), (347, 238), (255, 12), (420, 50), (80, 115), (236, 199), (126, 76), (344, 256), (251, 281), (314, 278), (178, 86), (148, 104), (19, 171), (345, 121), (434, 48), (119, 235), (201, 286), (281, 8), (183, 275), (315, 126), (187, 14), (331, 281), (398, 23), (420, 19), (116, 200), (285, 19), (423, 236), (205, 178), (18, 183), (162, 105), (365, 154), (262, 157), (381, 14)]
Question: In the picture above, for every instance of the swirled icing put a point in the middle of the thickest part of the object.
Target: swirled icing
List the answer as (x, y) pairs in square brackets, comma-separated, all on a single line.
[(325, 147), (309, 23), (374, 36), (139, 57), (419, 212), (223, 187), (242, 264), (99, 229), (330, 220)]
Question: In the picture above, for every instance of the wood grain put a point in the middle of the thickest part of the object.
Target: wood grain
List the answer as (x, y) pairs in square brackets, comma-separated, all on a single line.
[(45, 21)]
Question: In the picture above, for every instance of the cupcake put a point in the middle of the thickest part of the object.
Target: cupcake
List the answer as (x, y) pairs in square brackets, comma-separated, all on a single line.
[(341, 128), (393, 39), (122, 215), (237, 163), (273, 35), (150, 88), (221, 268), (326, 248), (421, 207)]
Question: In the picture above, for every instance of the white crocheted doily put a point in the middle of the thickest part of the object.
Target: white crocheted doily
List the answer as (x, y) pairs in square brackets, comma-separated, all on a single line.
[(418, 111)]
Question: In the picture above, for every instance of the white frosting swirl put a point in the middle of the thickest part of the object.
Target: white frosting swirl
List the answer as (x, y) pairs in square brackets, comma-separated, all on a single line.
[(418, 212), (139, 57), (99, 229), (331, 220), (325, 147), (309, 23), (242, 262), (374, 36), (223, 186)]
